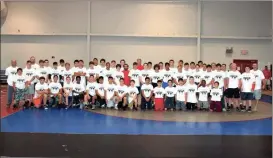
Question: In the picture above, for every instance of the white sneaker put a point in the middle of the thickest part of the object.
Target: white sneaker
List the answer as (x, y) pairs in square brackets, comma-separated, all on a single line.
[(103, 106), (116, 107), (224, 110), (45, 108)]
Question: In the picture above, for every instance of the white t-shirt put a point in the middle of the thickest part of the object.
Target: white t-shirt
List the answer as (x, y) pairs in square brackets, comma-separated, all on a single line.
[(203, 93), (219, 76), (159, 92), (29, 74), (61, 69), (192, 71), (197, 76), (247, 80), (173, 69), (156, 76), (233, 79), (67, 73), (55, 87), (167, 75), (67, 87), (42, 72), (100, 69), (40, 87), (83, 78), (113, 69), (91, 87), (35, 66), (134, 75), (79, 88), (181, 92), (54, 72), (191, 93), (93, 72), (187, 74), (117, 76), (132, 91), (11, 72), (20, 81), (105, 74), (259, 76), (216, 94), (147, 90), (100, 89), (208, 76), (122, 90), (178, 75), (170, 91), (144, 74), (110, 90)]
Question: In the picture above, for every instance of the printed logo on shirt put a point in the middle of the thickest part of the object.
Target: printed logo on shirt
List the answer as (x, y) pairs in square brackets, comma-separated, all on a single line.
[(55, 88), (29, 74), (147, 90), (67, 88), (145, 75), (206, 77), (180, 91), (120, 91), (191, 90), (197, 76), (110, 89), (156, 77), (169, 92), (118, 76), (43, 72), (108, 75), (135, 75), (256, 76), (218, 77), (78, 89), (92, 88), (167, 75), (21, 80), (159, 93), (13, 73), (233, 76), (246, 78), (132, 93), (188, 76), (215, 93), (204, 92)]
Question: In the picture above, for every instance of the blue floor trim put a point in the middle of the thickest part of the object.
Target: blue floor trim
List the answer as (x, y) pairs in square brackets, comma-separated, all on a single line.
[(75, 121), (266, 98)]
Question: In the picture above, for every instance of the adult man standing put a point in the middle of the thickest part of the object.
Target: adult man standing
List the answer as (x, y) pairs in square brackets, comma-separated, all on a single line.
[(267, 75), (260, 83), (233, 87), (11, 73), (34, 65), (139, 64)]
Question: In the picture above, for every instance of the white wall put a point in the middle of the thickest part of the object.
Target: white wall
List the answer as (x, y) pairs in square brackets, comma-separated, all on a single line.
[(112, 21)]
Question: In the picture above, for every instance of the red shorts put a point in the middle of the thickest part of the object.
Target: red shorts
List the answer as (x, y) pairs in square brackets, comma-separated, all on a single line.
[(159, 104)]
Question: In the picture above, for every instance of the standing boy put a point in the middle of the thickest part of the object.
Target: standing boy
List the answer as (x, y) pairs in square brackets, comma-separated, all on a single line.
[(181, 95), (191, 94), (147, 93), (169, 98)]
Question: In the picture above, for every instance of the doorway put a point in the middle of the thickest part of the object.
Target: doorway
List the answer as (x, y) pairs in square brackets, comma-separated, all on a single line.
[(241, 64)]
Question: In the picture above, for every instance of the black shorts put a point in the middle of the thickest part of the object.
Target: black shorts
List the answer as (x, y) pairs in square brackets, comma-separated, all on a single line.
[(233, 93), (91, 98), (120, 103), (139, 89), (246, 96)]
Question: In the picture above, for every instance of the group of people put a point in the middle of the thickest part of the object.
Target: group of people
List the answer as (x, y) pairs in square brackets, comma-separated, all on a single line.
[(159, 86)]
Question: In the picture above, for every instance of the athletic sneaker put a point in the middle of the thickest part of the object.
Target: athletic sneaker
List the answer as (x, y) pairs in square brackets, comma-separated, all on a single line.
[(243, 108), (249, 109), (103, 106), (238, 109), (224, 110)]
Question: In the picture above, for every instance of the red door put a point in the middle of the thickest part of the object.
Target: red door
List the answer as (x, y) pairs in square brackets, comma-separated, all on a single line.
[(241, 64)]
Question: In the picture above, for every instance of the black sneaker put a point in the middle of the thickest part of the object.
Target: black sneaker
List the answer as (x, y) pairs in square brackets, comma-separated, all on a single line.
[(238, 109), (243, 108), (231, 106), (228, 108), (249, 109)]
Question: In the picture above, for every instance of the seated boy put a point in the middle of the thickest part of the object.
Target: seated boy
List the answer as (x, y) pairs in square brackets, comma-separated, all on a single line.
[(216, 95), (100, 92), (121, 93), (68, 88), (132, 95), (90, 97), (110, 91), (41, 91), (78, 93), (55, 92), (159, 93)]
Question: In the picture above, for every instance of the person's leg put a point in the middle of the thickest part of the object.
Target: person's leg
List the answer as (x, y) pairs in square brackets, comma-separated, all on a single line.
[(257, 95), (167, 103), (172, 105), (10, 95), (149, 104), (212, 106), (218, 106), (178, 105), (44, 97), (143, 103)]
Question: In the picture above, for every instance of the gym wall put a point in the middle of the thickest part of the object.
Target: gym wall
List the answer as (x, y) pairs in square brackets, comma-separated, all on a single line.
[(152, 30)]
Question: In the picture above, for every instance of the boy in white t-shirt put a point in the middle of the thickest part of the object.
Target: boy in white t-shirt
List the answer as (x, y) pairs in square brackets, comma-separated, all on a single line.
[(181, 95), (10, 73), (110, 91), (19, 85), (121, 94), (55, 92), (247, 88), (41, 91), (170, 96), (144, 73), (90, 96), (30, 77), (156, 75), (100, 92), (78, 93), (118, 74), (92, 71), (147, 93), (67, 88), (203, 92), (216, 95), (159, 93), (132, 96), (67, 72), (54, 72), (191, 94)]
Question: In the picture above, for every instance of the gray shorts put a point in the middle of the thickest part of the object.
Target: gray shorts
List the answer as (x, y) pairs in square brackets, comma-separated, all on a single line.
[(257, 94), (30, 89), (204, 104), (110, 103)]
